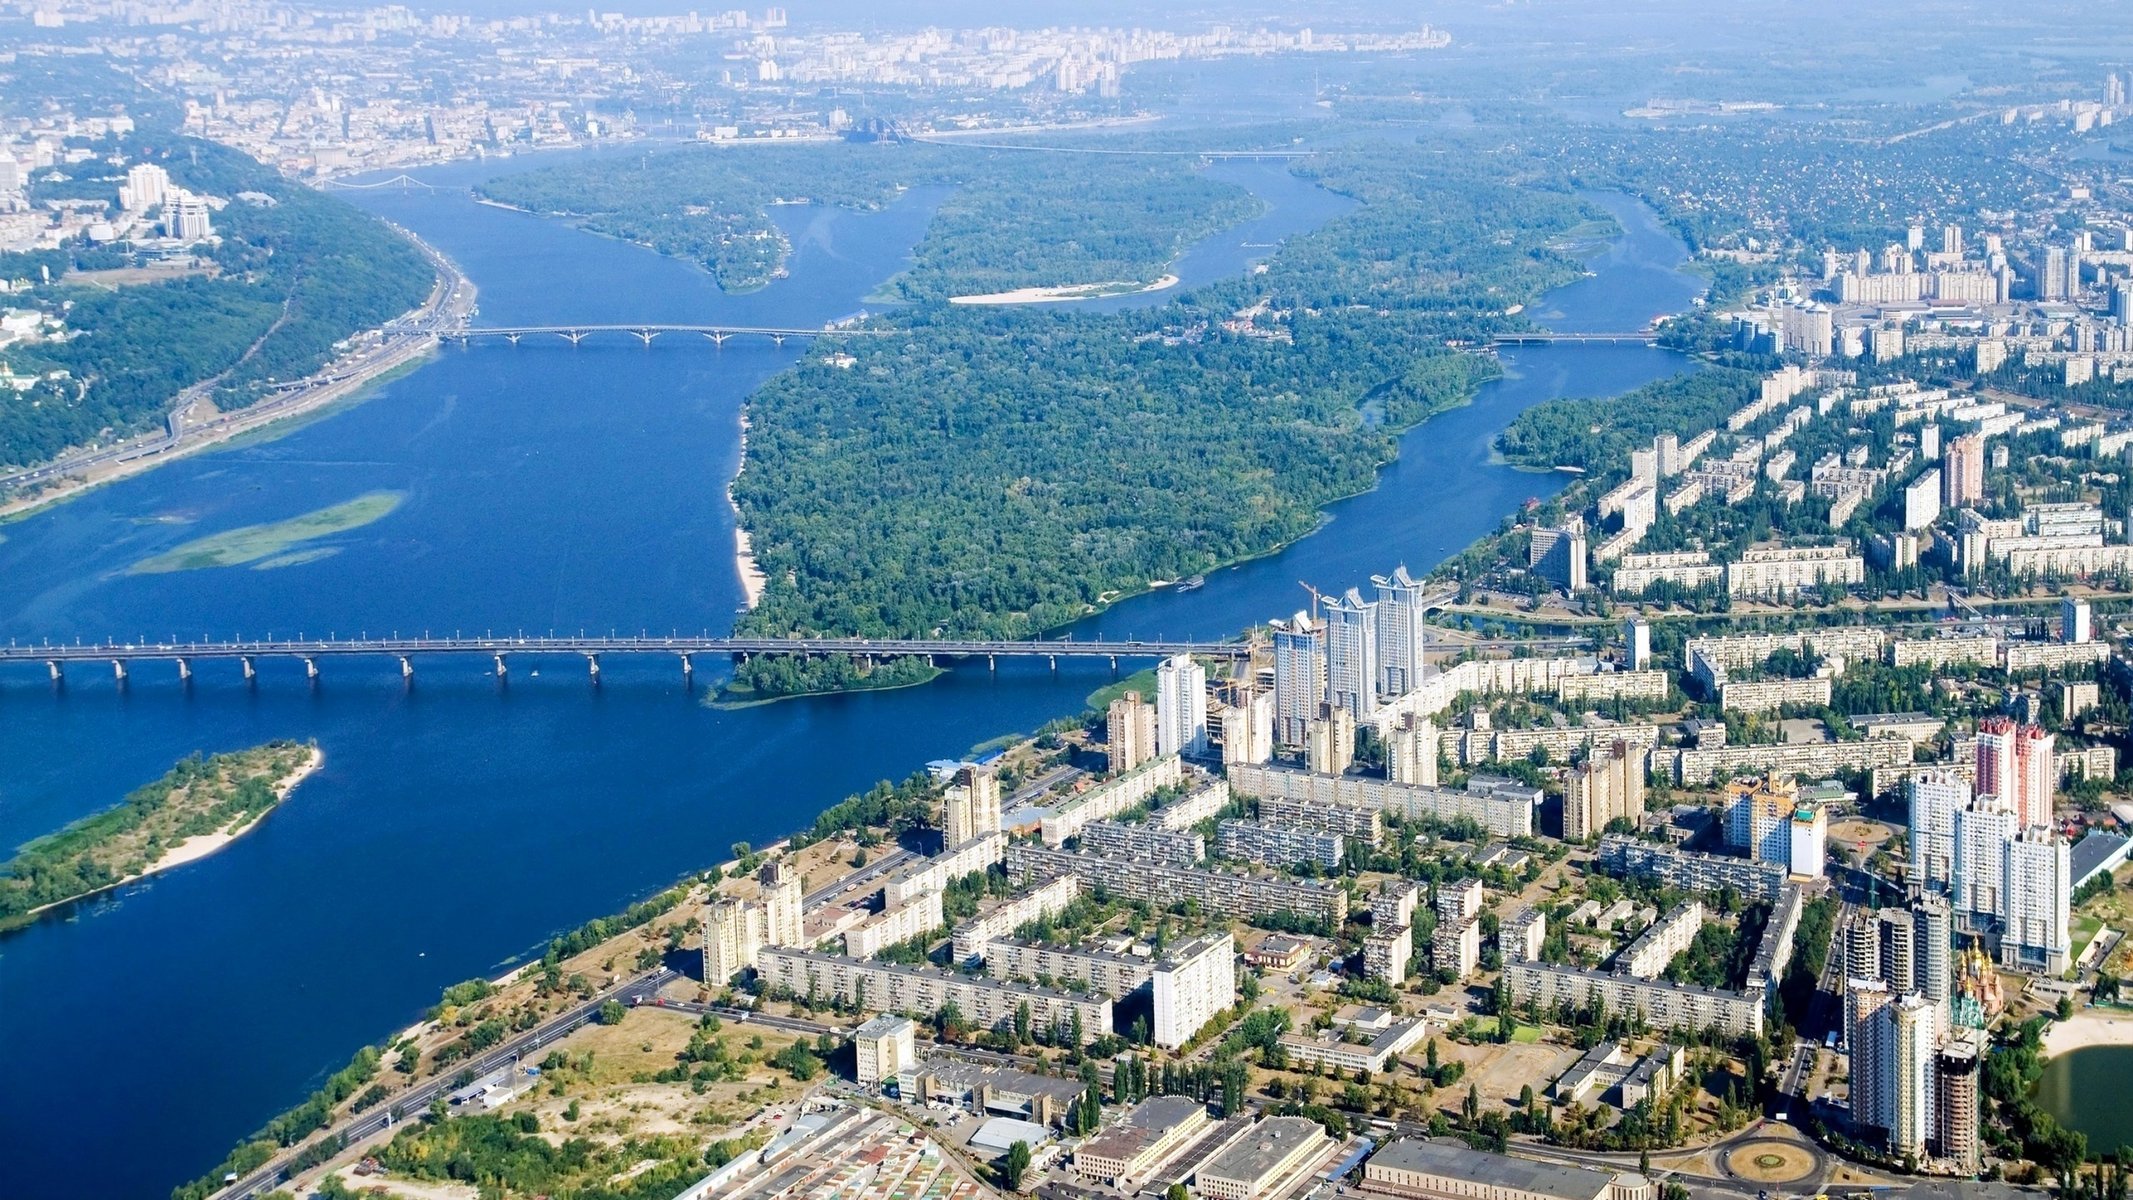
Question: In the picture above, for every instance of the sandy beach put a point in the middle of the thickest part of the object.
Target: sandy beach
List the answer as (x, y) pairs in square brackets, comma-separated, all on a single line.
[(193, 849), (752, 577), (1068, 293), (2089, 1027)]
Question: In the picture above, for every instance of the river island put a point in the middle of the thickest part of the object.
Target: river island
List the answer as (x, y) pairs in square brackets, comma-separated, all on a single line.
[(201, 806)]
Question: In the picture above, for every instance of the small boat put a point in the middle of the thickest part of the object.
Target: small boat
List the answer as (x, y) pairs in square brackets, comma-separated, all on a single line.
[(1193, 584)]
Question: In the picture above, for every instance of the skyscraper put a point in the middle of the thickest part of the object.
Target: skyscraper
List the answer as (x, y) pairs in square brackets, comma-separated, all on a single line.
[(2014, 762), (1955, 1109), (2039, 886), (1637, 643), (1299, 677), (1180, 706), (970, 808), (2051, 277), (1867, 1040), (1914, 1030), (1962, 475), (2076, 623), (1936, 797), (1401, 633), (1352, 654), (1933, 948), (1897, 968)]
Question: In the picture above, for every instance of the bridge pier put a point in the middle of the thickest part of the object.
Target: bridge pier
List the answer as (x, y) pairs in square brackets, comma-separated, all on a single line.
[(500, 672), (717, 339), (644, 335), (779, 338), (592, 667), (250, 672), (992, 664), (52, 665), (118, 669), (511, 338), (1114, 664), (185, 671), (407, 667), (688, 669), (1054, 660), (310, 668)]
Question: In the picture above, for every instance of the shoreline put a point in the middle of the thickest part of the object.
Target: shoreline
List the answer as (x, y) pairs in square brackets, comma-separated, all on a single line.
[(1069, 293), (2086, 1029), (199, 846), (752, 578), (451, 297)]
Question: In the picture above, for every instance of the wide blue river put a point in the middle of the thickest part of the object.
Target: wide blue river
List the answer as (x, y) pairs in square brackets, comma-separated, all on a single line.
[(458, 824)]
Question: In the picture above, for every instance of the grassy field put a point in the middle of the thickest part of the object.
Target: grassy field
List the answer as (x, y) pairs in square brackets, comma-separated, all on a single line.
[(1140, 681), (272, 542)]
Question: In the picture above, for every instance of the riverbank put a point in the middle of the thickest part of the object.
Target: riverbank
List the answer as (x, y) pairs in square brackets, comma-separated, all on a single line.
[(200, 807), (450, 301), (744, 564), (1068, 293), (2086, 1028)]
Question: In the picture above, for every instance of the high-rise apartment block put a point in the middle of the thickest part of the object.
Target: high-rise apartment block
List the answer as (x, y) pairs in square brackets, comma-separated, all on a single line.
[(1352, 654), (1129, 733), (2014, 762), (1181, 707), (1962, 473), (1402, 630), (1299, 677), (1607, 786)]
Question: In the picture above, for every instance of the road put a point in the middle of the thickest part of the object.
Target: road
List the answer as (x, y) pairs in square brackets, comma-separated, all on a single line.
[(412, 1102), (872, 871), (400, 342)]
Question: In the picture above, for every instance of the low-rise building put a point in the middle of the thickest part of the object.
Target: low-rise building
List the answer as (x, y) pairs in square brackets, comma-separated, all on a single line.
[(1354, 823), (1121, 1155), (1368, 1045), (1267, 1160), (1690, 870), (1109, 799), (1099, 971), (1430, 1169)]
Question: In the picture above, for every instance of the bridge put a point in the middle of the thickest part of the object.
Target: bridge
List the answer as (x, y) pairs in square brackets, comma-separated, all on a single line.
[(1538, 337), (645, 332), (122, 655)]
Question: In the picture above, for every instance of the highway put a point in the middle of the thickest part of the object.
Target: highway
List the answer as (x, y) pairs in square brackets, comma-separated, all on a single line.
[(411, 1103), (401, 341)]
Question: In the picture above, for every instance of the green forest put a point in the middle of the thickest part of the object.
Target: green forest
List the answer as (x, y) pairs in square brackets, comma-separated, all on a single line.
[(1004, 471), (295, 272), (1012, 219), (198, 796)]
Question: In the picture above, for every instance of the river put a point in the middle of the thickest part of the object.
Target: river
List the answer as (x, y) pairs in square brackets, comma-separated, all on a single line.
[(457, 824)]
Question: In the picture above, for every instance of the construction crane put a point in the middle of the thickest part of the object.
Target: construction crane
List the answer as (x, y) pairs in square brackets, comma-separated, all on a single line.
[(1317, 597)]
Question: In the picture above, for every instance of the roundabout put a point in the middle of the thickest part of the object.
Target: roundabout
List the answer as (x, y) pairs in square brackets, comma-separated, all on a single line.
[(1772, 1161)]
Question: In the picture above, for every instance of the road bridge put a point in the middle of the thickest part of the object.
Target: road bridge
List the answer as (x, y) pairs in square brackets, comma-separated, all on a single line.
[(124, 656), (311, 651), (575, 334), (1643, 337)]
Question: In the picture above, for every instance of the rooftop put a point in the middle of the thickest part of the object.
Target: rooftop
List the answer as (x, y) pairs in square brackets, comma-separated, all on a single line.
[(1263, 1148), (1460, 1162)]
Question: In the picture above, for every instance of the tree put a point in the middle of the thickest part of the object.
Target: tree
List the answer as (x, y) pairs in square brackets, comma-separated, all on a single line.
[(1177, 1191), (1016, 1166), (1470, 1108), (1022, 1032), (612, 1012)]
